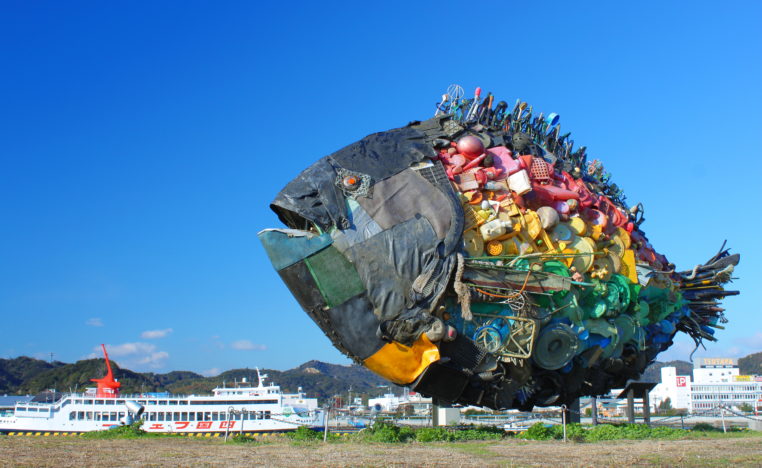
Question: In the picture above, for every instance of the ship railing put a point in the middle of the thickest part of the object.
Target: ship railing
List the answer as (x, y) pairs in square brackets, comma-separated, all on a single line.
[(143, 396)]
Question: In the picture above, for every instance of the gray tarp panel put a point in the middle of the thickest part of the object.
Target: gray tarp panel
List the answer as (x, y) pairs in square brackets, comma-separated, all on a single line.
[(389, 262), (384, 154), (404, 195), (351, 321)]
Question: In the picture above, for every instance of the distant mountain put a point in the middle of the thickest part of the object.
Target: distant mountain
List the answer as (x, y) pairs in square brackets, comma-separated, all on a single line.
[(77, 376), (24, 375), (316, 378), (14, 372), (751, 364), (653, 372)]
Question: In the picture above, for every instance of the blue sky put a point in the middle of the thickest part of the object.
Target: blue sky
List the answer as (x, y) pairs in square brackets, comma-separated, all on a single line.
[(141, 144)]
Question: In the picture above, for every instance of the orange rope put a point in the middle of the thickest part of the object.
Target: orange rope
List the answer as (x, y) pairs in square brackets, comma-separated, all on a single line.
[(512, 296)]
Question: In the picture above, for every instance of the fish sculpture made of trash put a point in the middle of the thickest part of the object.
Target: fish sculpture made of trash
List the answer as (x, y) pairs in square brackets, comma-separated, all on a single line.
[(481, 259)]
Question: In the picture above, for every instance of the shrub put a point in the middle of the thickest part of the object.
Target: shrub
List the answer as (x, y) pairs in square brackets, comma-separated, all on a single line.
[(387, 432), (433, 434), (478, 433), (574, 432), (539, 431), (705, 427), (131, 431), (304, 433), (603, 432)]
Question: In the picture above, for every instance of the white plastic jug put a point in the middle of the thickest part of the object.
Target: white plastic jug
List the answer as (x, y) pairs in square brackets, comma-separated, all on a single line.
[(519, 182), (495, 229)]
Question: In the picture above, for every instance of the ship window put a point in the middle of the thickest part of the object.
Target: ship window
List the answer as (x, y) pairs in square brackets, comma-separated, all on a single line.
[(110, 402), (151, 402), (89, 415), (267, 415), (161, 417), (88, 402), (191, 416), (72, 415)]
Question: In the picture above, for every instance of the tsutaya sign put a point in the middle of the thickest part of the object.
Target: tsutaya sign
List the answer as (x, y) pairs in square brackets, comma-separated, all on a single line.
[(716, 362)]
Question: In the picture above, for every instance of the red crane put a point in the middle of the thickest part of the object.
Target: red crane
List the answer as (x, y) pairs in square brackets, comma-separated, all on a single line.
[(108, 387)]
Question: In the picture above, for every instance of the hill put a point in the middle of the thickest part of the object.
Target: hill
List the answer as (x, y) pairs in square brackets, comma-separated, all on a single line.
[(14, 372), (751, 364), (653, 372), (24, 375)]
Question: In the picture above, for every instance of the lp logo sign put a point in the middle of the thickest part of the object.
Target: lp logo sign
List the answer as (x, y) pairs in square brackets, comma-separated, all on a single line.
[(682, 381)]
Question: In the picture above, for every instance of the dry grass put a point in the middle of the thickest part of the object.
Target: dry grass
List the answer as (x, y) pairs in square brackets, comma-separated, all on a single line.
[(70, 451)]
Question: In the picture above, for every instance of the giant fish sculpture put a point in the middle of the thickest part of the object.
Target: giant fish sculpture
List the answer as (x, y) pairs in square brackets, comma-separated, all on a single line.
[(481, 259)]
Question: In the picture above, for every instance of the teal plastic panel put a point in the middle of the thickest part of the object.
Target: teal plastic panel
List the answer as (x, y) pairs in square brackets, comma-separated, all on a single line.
[(287, 246)]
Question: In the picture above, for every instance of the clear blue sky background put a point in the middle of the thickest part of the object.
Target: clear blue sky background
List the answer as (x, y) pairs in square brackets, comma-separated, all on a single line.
[(142, 142)]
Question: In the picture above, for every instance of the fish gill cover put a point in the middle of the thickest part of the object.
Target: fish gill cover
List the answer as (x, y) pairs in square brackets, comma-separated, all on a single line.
[(482, 259)]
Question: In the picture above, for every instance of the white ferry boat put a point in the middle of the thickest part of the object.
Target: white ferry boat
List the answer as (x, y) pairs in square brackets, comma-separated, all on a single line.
[(238, 409)]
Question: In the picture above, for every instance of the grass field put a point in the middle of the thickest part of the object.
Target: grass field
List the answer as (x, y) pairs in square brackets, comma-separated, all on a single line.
[(735, 450)]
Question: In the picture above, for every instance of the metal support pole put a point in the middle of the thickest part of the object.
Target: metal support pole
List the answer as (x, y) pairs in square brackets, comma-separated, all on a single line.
[(573, 412), (227, 423), (631, 406), (722, 415), (646, 409), (594, 410), (325, 428), (563, 419)]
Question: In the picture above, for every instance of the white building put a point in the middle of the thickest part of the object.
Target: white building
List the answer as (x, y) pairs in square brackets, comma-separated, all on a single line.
[(716, 382), (675, 387), (715, 370)]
